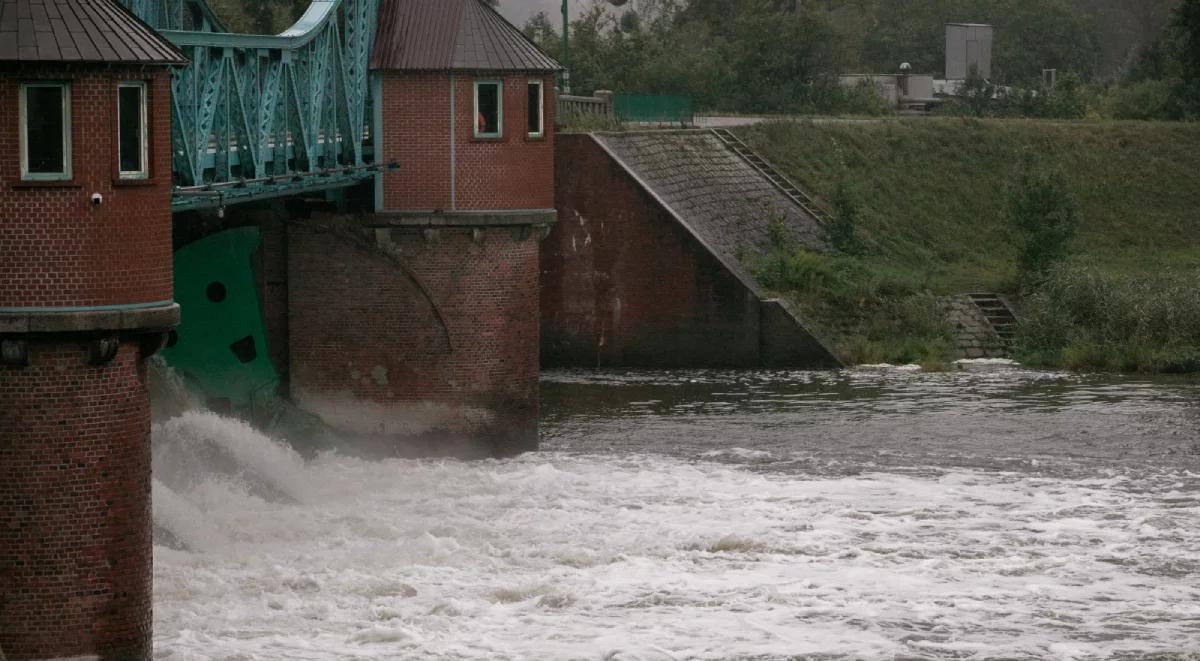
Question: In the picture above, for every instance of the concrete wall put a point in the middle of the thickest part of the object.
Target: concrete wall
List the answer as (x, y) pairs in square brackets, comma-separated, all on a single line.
[(85, 296), (420, 342), (512, 172), (624, 284)]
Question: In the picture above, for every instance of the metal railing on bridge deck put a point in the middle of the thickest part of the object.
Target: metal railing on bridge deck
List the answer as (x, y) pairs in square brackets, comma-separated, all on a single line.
[(257, 116)]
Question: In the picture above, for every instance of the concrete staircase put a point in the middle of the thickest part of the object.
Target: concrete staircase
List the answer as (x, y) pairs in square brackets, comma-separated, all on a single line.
[(999, 315), (785, 185)]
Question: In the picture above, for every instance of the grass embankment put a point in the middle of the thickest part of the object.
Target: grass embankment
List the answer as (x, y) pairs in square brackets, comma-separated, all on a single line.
[(930, 199)]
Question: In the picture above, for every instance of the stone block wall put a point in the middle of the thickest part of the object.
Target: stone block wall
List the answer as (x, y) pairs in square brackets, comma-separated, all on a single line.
[(972, 332)]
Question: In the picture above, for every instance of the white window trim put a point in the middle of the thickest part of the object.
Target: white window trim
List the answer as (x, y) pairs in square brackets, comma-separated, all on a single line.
[(541, 85), (144, 173), (499, 109), (23, 112)]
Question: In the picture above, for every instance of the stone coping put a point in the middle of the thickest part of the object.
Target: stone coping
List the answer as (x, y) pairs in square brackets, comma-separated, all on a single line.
[(488, 218), (158, 318)]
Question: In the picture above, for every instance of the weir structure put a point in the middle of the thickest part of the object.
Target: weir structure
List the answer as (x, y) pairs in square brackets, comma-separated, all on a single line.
[(139, 140)]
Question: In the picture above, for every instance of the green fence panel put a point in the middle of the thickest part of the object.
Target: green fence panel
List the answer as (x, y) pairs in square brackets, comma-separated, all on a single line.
[(220, 347), (659, 108)]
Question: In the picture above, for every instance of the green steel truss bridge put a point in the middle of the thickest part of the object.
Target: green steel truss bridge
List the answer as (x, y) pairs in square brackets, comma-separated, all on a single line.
[(257, 117)]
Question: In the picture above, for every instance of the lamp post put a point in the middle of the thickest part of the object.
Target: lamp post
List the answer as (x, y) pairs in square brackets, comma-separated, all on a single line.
[(566, 13)]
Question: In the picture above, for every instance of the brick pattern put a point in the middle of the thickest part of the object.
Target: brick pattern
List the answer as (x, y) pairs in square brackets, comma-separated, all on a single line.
[(56, 248), (75, 520), (446, 321), (512, 172), (624, 284)]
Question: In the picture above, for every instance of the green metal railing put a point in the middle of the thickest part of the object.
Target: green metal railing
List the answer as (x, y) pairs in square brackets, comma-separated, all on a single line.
[(654, 108), (263, 116)]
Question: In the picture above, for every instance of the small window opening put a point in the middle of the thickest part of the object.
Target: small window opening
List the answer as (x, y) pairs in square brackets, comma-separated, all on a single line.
[(131, 130), (245, 350), (489, 109), (536, 127), (45, 131)]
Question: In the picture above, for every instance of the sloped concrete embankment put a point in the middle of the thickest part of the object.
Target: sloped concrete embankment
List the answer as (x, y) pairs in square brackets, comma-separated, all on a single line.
[(645, 266)]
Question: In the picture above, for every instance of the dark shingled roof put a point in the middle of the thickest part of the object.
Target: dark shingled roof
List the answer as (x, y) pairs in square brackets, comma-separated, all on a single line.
[(79, 31), (452, 35), (716, 194)]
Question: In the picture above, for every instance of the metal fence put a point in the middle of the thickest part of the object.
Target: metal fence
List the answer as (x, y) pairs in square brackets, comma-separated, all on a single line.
[(654, 108)]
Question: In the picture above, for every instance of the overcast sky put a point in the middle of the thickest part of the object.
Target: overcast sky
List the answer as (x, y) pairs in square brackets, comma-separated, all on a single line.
[(518, 11)]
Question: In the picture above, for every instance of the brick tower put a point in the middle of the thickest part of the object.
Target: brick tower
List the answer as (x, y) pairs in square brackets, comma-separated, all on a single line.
[(430, 332), (85, 298)]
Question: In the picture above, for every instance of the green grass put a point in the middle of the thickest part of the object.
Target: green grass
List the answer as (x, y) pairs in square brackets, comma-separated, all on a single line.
[(932, 198)]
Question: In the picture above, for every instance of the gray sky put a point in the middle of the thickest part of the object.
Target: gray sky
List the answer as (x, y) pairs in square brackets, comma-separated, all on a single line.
[(518, 11)]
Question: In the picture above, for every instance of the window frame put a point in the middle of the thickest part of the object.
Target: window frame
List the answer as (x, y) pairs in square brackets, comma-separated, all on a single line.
[(499, 134), (67, 172), (144, 143), (541, 106)]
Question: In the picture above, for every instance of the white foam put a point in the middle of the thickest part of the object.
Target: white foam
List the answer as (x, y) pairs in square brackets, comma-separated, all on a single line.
[(996, 362), (640, 557), (889, 367)]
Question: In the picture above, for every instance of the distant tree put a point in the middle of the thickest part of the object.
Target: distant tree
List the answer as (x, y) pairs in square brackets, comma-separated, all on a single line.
[(1187, 25), (1187, 30)]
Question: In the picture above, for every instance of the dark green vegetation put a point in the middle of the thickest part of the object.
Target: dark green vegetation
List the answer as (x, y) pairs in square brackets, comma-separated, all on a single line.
[(1087, 318), (933, 204), (1118, 58), (258, 16)]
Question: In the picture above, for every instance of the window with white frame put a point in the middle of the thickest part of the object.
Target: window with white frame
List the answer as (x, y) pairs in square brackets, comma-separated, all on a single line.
[(537, 128), (489, 109), (132, 150), (45, 119)]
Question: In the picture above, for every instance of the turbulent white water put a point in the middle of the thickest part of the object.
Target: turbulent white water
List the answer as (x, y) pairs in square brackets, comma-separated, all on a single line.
[(645, 556)]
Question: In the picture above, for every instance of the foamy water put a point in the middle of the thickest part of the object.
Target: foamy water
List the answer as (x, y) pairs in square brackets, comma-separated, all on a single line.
[(652, 555)]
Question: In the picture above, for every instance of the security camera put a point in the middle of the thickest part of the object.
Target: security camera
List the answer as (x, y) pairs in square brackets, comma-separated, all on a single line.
[(97, 199)]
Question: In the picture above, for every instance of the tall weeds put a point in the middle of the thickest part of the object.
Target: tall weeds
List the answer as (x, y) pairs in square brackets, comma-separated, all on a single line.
[(1084, 318)]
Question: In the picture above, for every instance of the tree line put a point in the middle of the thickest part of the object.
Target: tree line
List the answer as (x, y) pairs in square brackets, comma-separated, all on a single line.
[(1126, 58)]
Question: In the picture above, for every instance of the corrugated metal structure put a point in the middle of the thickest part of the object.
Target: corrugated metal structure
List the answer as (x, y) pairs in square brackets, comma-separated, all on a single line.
[(79, 31), (452, 35), (968, 46)]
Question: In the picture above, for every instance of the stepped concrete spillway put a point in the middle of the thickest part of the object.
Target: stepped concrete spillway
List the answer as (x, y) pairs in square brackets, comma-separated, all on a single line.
[(647, 266)]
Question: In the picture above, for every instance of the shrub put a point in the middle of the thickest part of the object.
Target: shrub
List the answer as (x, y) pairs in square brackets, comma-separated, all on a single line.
[(844, 221), (1047, 218), (1146, 100)]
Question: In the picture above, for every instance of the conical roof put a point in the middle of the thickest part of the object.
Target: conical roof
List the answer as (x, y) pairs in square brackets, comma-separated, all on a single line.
[(452, 35)]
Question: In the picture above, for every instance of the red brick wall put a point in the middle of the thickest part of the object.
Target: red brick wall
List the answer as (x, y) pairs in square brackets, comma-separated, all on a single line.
[(56, 248), (75, 533), (512, 172), (623, 284), (441, 352)]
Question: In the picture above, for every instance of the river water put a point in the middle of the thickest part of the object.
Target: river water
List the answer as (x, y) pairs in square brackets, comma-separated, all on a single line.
[(986, 513)]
